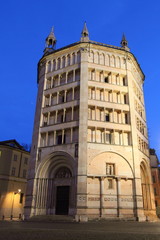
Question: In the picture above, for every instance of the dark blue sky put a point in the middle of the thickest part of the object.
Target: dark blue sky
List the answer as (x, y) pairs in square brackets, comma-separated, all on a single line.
[(24, 25)]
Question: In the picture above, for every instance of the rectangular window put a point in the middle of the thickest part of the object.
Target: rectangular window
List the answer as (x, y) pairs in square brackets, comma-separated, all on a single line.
[(110, 184), (125, 99), (110, 169), (155, 192), (153, 178), (108, 138), (107, 117), (13, 171), (21, 198), (26, 161), (59, 139), (76, 150), (106, 80), (15, 157), (124, 81), (126, 118), (24, 173)]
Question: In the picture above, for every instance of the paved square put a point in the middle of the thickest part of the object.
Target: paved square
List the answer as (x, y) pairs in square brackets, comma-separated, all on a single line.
[(79, 231)]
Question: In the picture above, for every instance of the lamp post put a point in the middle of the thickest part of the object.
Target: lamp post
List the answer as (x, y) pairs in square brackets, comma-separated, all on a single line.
[(14, 194)]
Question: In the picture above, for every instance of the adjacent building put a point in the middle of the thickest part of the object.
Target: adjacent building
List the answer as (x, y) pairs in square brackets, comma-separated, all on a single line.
[(90, 154), (155, 171), (13, 179)]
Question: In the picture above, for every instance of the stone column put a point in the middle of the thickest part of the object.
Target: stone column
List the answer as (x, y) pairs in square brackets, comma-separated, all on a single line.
[(51, 82), (74, 75), (57, 97), (110, 78), (64, 114), (56, 116), (72, 117), (48, 120), (71, 135), (54, 138), (59, 79), (51, 66), (101, 195), (118, 183), (110, 96), (66, 77), (95, 134), (95, 112), (65, 95), (62, 136), (72, 94), (113, 115), (46, 139)]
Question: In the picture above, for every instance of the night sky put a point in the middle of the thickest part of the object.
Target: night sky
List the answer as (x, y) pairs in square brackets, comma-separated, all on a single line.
[(24, 25)]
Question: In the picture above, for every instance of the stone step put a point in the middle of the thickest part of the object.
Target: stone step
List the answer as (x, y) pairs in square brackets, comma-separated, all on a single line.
[(52, 218)]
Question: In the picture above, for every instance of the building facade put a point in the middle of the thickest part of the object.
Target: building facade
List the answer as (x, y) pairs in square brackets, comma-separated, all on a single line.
[(90, 155), (14, 162), (155, 171)]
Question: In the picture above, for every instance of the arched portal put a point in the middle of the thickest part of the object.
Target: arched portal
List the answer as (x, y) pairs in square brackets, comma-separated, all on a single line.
[(62, 190), (56, 185), (145, 183)]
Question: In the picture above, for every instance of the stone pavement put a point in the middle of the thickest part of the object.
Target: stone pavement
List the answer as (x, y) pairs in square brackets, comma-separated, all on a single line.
[(101, 230)]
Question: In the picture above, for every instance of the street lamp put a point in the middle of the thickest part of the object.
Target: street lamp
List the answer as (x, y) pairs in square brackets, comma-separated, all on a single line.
[(14, 194)]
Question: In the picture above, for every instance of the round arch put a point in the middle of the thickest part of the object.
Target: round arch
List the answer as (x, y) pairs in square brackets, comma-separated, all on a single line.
[(56, 185), (52, 162), (112, 157)]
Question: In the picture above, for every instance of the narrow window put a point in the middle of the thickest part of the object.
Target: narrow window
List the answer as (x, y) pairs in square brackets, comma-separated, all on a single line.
[(124, 81), (63, 99), (76, 150), (59, 139), (110, 184), (13, 171), (108, 138), (125, 99), (153, 178), (15, 157), (156, 203), (26, 161), (126, 118), (110, 169), (107, 117), (64, 138), (21, 198), (24, 173)]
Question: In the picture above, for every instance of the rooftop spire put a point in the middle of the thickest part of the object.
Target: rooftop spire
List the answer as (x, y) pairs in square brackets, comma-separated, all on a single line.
[(85, 34), (124, 43), (50, 41)]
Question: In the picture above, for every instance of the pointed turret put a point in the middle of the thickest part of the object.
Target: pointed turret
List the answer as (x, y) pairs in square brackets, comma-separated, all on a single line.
[(124, 43), (85, 34), (50, 42)]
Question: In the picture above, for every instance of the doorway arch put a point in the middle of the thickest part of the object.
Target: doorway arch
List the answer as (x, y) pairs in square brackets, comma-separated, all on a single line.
[(56, 185)]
